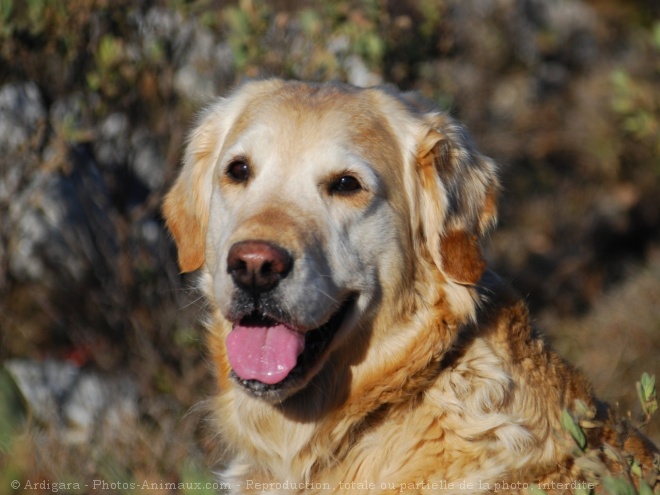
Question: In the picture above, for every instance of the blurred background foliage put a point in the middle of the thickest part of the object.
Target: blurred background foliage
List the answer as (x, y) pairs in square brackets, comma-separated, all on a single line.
[(96, 97)]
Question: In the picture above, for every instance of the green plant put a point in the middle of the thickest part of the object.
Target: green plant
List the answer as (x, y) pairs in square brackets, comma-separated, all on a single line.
[(647, 394), (634, 479), (573, 428), (637, 105), (636, 101), (110, 65), (246, 24)]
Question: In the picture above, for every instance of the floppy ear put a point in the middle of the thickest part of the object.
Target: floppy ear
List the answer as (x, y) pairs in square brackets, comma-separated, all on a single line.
[(186, 205), (460, 189)]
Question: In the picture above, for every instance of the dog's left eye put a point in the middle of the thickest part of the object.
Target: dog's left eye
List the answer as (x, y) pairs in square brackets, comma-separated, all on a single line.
[(239, 170), (346, 184)]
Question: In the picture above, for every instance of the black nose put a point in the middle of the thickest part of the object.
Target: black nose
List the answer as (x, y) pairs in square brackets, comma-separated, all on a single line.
[(258, 266)]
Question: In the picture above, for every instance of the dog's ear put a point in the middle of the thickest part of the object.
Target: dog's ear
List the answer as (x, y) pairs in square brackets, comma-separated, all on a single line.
[(187, 204), (460, 189)]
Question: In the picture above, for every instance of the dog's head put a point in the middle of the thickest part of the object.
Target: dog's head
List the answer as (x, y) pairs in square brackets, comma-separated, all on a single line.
[(319, 211)]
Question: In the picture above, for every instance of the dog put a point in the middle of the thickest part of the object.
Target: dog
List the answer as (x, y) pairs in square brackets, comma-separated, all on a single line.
[(360, 342)]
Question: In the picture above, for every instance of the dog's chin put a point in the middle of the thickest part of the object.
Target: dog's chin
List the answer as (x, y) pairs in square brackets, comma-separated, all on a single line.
[(316, 344)]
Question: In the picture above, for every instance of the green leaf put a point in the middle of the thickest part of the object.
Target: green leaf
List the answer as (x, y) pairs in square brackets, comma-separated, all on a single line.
[(636, 468), (645, 488), (569, 425), (647, 394), (648, 386), (652, 407), (618, 486)]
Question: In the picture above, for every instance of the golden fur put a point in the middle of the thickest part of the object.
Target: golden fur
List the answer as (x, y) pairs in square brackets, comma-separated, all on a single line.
[(435, 381)]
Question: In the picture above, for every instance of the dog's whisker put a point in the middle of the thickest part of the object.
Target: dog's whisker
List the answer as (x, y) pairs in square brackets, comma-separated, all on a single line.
[(197, 300), (333, 299)]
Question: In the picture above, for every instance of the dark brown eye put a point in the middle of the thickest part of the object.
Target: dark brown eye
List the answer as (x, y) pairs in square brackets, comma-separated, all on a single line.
[(239, 170), (346, 184)]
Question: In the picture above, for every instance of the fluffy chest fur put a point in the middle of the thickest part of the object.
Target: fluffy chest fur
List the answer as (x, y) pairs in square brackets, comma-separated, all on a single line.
[(477, 415)]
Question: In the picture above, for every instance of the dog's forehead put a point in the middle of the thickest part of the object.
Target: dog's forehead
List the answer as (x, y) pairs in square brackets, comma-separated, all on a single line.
[(305, 123)]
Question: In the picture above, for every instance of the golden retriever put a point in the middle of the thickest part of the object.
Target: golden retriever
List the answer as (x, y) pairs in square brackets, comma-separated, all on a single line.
[(360, 343)]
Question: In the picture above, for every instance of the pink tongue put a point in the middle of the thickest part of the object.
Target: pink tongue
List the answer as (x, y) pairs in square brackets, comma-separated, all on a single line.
[(267, 354)]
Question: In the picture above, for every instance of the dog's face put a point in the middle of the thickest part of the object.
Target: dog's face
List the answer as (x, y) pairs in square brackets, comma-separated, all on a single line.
[(314, 211)]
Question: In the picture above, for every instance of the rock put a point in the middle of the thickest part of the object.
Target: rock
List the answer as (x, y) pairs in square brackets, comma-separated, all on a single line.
[(22, 112), (112, 146), (194, 80), (80, 405), (61, 226), (146, 160)]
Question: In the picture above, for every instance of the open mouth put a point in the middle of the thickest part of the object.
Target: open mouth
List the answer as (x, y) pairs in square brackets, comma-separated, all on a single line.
[(267, 355)]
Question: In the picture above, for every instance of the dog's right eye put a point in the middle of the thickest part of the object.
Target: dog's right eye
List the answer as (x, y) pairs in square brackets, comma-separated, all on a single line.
[(345, 185), (238, 170)]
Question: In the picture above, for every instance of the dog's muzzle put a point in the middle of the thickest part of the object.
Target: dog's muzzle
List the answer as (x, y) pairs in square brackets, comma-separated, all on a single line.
[(266, 351)]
